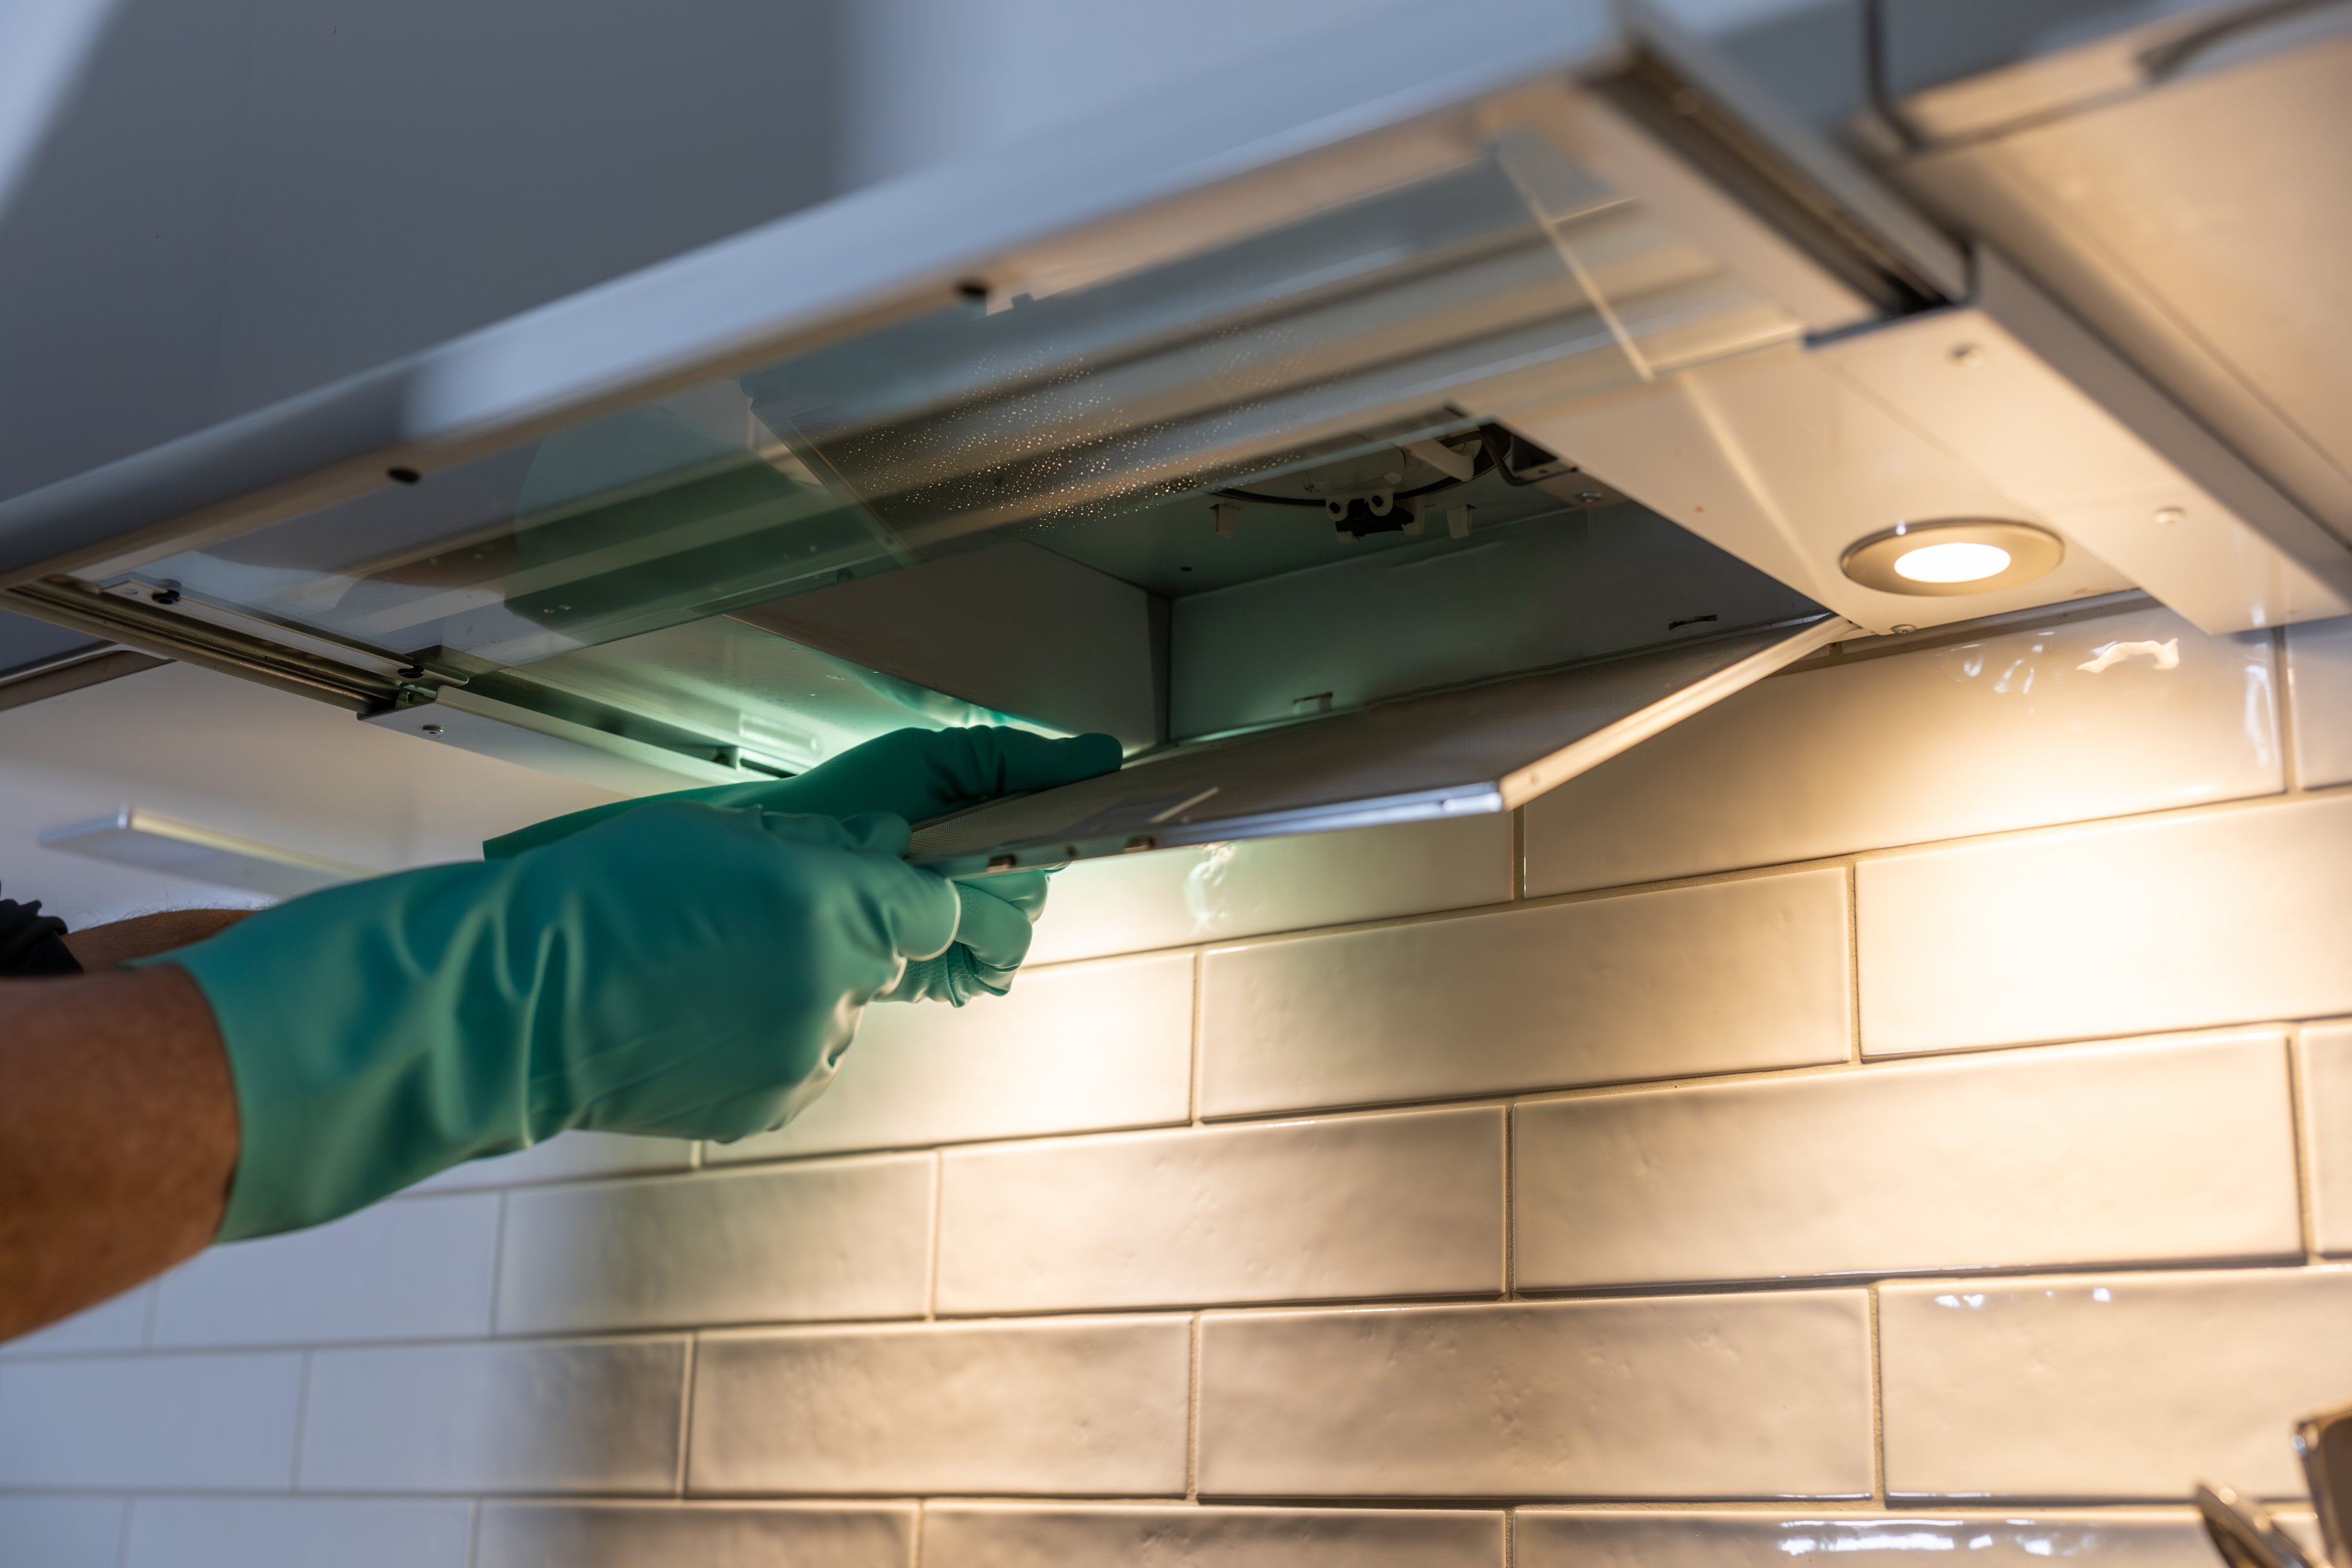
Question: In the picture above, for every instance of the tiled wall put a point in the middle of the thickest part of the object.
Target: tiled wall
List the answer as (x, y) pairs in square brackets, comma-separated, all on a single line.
[(1909, 1107)]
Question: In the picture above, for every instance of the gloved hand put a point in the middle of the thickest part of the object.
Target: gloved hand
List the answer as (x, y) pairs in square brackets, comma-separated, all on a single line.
[(679, 970), (916, 774), (994, 921)]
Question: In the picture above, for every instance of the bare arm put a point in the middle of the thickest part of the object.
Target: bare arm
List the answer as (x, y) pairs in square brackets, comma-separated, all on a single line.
[(143, 935), (118, 1135)]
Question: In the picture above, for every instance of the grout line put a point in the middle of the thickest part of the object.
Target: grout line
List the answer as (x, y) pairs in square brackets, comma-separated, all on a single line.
[(473, 1531), (1200, 989), (1510, 1536), (2283, 697), (1510, 1207), (122, 1535), (915, 1546), (686, 1417), (301, 1422), (1193, 1417), (1519, 854), (938, 1208), (1853, 963), (1877, 1407), (498, 1264), (2302, 1138)]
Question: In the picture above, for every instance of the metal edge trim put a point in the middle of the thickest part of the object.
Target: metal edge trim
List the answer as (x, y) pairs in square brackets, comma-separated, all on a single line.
[(1580, 756)]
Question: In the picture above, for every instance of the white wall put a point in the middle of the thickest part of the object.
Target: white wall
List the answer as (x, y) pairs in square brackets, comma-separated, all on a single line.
[(1905, 1108)]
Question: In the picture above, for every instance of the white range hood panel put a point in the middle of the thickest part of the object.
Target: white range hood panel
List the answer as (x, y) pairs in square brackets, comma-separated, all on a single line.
[(1186, 424), (2183, 188)]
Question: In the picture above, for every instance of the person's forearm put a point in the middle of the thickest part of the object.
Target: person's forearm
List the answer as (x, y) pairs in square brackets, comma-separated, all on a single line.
[(144, 935), (118, 1136)]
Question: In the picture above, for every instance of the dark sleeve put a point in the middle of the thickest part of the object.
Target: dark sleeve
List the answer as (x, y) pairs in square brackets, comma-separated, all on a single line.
[(31, 942)]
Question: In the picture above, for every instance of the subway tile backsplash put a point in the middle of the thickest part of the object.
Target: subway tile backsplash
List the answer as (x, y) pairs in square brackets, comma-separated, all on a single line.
[(1689, 1396), (1083, 1407), (1995, 1161), (1399, 1205), (1735, 977), (2014, 729), (1787, 1169), (2109, 1386)]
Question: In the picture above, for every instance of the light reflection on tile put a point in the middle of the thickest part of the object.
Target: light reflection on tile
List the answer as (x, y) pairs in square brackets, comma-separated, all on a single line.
[(1674, 1538), (2123, 713), (2108, 1387), (1131, 902)]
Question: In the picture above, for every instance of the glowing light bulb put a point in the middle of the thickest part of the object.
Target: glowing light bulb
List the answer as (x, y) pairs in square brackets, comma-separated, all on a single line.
[(1952, 562)]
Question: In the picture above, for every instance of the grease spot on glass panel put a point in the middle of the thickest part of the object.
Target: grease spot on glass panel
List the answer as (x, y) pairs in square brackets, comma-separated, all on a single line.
[(2164, 656)]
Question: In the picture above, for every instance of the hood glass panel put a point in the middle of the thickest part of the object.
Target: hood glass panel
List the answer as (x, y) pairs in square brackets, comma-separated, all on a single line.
[(1514, 280)]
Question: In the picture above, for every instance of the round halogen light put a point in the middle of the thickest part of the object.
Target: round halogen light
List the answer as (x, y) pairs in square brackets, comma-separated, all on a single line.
[(1953, 555)]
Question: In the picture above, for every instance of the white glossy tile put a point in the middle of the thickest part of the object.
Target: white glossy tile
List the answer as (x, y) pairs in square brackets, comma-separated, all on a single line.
[(1399, 1205), (1010, 1535), (829, 1239), (1727, 977), (1689, 1538), (1077, 1406), (298, 1532), (1072, 1049), (1694, 1396), (2177, 923), (414, 1267), (119, 1323), (2327, 1062), (62, 1531), (2059, 1156), (567, 1156), (696, 1535), (2319, 679), (199, 1422), (2013, 730), (2108, 1387), (595, 1416), (1133, 902)]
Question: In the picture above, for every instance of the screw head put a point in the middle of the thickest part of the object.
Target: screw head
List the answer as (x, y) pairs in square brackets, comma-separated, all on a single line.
[(1902, 626), (434, 729), (2168, 516), (165, 596), (1967, 355)]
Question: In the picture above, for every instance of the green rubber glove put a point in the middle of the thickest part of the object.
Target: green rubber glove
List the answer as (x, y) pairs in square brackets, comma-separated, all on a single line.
[(916, 774), (994, 920), (680, 970)]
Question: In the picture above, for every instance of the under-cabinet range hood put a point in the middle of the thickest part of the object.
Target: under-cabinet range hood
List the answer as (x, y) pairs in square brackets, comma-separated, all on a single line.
[(1389, 441)]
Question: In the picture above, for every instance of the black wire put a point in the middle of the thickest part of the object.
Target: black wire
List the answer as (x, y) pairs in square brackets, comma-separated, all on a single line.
[(1479, 465)]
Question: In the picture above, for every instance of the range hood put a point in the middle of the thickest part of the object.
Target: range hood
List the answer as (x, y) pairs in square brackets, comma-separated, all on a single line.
[(1390, 441)]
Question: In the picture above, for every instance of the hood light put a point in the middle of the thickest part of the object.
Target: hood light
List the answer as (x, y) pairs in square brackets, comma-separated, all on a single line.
[(1954, 555)]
